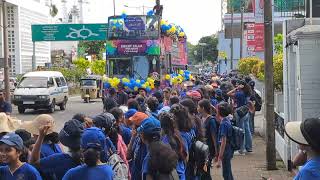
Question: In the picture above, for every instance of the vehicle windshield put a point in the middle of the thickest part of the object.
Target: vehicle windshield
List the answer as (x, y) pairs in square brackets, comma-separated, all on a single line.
[(88, 82), (34, 82)]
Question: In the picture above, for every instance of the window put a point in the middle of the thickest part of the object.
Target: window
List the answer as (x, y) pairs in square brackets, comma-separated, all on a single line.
[(58, 81), (50, 82), (63, 81)]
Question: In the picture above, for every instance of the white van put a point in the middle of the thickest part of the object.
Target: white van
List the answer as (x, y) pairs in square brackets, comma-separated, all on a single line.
[(41, 90)]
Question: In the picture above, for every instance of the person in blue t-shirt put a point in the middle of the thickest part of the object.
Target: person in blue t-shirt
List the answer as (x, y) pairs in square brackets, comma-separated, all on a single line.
[(211, 131), (225, 132), (56, 165), (241, 95), (93, 142), (11, 148), (306, 134), (5, 106), (149, 132), (172, 137), (153, 104)]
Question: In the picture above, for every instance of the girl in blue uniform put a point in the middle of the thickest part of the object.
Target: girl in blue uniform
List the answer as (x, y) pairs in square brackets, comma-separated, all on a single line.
[(93, 142), (11, 148)]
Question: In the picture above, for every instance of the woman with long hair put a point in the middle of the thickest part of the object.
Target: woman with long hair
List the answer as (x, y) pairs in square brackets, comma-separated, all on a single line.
[(170, 135)]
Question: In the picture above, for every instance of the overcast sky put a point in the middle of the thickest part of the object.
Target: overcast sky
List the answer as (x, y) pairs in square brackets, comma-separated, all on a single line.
[(197, 17)]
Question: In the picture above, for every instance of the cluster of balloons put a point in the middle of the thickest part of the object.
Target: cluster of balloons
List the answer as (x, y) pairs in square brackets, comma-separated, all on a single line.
[(178, 78), (132, 84), (171, 29), (116, 24)]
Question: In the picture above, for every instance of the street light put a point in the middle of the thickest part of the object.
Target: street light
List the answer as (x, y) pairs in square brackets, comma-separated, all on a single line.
[(202, 46)]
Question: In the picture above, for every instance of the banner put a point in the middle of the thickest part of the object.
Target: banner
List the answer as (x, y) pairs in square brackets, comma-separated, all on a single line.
[(120, 48), (259, 37)]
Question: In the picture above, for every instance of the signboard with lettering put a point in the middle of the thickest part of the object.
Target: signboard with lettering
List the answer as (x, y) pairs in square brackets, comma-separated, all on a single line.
[(120, 48), (259, 37), (133, 28), (131, 48), (69, 32)]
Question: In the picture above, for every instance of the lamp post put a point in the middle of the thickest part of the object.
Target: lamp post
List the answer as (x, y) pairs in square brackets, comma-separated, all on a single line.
[(114, 8), (202, 46)]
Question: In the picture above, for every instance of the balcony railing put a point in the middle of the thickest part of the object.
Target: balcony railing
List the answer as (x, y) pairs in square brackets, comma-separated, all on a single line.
[(292, 8)]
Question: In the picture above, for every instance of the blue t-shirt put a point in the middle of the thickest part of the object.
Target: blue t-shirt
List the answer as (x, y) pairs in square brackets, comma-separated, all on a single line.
[(49, 149), (109, 150), (139, 153), (145, 166), (125, 132), (214, 101), (211, 130), (5, 107), (225, 130), (181, 167), (310, 171), (25, 172), (240, 98), (188, 137), (57, 164), (83, 172)]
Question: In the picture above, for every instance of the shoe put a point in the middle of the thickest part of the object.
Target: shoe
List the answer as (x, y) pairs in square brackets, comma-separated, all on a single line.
[(238, 153), (249, 151)]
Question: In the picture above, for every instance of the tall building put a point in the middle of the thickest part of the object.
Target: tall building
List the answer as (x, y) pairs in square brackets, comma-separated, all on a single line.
[(21, 14)]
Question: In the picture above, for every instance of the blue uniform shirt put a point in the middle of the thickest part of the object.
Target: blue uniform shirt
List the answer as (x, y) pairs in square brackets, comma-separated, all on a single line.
[(5, 107), (125, 132), (57, 164), (211, 129), (139, 153), (310, 171), (181, 167), (188, 137), (240, 98), (49, 149), (145, 167), (25, 172), (225, 130), (100, 172)]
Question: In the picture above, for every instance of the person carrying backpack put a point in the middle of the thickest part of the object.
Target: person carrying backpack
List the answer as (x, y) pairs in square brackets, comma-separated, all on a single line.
[(255, 105), (211, 129), (224, 138)]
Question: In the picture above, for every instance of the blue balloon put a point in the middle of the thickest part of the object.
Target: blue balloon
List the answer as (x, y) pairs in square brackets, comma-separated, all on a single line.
[(132, 81), (148, 89), (106, 85), (150, 13), (142, 81)]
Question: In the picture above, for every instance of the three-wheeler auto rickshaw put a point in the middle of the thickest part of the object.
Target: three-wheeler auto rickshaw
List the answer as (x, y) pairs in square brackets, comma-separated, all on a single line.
[(91, 87)]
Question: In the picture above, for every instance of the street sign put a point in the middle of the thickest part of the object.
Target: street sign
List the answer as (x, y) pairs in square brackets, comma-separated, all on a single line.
[(69, 32)]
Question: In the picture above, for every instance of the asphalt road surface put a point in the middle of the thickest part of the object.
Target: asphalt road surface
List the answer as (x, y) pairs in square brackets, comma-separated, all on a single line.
[(74, 105)]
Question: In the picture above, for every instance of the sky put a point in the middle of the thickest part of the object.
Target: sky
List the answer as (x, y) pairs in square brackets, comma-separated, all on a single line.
[(198, 18)]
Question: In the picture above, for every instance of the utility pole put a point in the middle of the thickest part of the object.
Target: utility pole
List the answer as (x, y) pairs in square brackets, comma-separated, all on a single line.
[(241, 24), (5, 52), (269, 96), (114, 8), (231, 44)]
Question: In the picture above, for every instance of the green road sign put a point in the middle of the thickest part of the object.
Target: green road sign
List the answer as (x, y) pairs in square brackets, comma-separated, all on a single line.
[(69, 32)]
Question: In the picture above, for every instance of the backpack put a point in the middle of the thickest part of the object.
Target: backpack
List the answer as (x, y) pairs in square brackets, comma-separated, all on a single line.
[(119, 168), (200, 150), (236, 139), (258, 101)]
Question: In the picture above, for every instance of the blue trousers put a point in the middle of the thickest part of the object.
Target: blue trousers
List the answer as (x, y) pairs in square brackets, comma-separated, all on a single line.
[(226, 169), (244, 123)]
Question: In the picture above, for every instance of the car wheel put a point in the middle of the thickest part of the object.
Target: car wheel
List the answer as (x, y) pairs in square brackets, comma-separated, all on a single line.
[(52, 106), (21, 110)]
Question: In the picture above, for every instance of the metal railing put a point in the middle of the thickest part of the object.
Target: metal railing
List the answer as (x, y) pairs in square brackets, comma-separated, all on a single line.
[(291, 8), (279, 123)]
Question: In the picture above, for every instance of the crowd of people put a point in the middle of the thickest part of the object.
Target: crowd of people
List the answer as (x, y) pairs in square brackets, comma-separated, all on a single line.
[(170, 133)]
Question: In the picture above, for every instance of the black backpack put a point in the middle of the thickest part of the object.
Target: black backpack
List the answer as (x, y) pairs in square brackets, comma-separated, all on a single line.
[(199, 150), (237, 138), (258, 101)]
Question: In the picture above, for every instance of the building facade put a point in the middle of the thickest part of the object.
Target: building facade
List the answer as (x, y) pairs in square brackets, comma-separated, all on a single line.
[(21, 14)]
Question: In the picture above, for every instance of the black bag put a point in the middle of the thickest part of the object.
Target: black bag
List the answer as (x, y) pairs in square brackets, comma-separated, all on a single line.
[(258, 102), (242, 111), (201, 151), (237, 138)]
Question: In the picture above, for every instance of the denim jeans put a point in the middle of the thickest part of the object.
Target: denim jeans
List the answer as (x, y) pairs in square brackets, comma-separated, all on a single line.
[(244, 123), (252, 122), (226, 169)]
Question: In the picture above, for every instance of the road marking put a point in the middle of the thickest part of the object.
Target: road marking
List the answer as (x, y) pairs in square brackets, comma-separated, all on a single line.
[(74, 97)]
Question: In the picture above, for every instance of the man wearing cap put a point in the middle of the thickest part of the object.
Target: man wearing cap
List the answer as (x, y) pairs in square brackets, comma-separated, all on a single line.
[(149, 131), (306, 134), (5, 106)]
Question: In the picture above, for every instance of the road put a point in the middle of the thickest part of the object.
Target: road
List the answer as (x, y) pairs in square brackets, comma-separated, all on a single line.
[(74, 105)]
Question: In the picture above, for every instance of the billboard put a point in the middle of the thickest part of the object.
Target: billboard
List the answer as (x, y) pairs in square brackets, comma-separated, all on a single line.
[(255, 37), (133, 27), (117, 48)]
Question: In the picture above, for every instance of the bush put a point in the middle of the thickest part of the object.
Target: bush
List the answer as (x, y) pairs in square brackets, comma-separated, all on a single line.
[(246, 65)]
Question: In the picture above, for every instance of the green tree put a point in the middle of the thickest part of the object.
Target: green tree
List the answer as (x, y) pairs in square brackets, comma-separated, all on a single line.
[(82, 64), (278, 43), (99, 67), (191, 57), (209, 46), (91, 48)]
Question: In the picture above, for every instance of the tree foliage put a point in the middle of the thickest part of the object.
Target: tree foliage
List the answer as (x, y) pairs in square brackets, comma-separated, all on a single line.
[(210, 51), (278, 44), (82, 64), (91, 48), (98, 67)]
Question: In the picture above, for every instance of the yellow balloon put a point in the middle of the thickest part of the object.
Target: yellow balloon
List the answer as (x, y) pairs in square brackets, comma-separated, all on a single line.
[(144, 86), (147, 84), (125, 80), (168, 77), (138, 81), (181, 72), (152, 86), (135, 88)]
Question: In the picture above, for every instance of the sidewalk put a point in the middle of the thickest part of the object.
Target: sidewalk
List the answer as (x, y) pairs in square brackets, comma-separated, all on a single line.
[(253, 166)]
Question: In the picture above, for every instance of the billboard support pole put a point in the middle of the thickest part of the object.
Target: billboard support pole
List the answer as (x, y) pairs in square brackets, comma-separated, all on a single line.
[(5, 52), (33, 56)]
